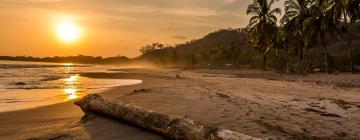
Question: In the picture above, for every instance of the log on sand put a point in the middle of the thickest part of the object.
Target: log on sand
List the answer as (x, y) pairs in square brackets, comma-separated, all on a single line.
[(173, 127)]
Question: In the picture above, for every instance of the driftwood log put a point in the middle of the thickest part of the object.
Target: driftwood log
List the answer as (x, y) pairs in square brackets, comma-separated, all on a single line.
[(173, 127)]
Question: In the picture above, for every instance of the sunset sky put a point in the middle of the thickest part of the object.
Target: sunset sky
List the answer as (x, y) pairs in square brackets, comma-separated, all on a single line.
[(111, 27)]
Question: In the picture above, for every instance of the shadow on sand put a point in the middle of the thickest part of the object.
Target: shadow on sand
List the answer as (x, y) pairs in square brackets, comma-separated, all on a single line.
[(98, 127)]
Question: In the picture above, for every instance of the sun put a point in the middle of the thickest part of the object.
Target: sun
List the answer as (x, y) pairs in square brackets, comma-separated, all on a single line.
[(68, 31)]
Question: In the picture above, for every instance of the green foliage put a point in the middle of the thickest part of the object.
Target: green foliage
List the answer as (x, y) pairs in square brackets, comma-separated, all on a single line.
[(313, 34), (262, 25), (152, 48), (307, 21), (226, 46)]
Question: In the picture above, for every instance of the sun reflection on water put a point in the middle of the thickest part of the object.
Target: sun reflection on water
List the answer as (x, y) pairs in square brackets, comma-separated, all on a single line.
[(68, 67), (70, 91), (72, 96), (71, 87), (68, 64), (72, 79)]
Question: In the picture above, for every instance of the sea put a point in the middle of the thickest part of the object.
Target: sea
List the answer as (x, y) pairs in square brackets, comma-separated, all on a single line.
[(25, 85)]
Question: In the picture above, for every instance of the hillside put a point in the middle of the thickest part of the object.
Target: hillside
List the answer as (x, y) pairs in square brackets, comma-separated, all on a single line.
[(223, 37), (230, 48), (225, 48)]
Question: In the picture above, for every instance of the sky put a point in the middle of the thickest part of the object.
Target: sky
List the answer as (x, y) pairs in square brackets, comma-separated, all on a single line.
[(111, 27)]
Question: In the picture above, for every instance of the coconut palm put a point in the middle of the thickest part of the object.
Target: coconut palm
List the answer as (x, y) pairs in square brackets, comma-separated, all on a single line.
[(296, 11), (320, 22), (262, 25), (347, 11)]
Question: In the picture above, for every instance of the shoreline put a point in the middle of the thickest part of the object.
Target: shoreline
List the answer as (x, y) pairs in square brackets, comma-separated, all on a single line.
[(17, 99), (65, 121), (253, 106)]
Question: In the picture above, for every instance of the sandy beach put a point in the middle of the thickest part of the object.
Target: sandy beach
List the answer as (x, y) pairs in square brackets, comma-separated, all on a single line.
[(256, 103), (183, 70)]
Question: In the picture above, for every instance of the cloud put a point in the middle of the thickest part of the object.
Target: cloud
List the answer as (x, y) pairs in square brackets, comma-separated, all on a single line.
[(136, 21)]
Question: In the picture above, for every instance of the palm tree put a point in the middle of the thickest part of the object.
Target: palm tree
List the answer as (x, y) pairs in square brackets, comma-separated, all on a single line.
[(279, 49), (320, 22), (348, 11), (262, 25), (296, 11)]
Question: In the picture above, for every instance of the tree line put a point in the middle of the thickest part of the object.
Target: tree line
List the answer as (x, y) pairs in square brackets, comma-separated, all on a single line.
[(310, 35), (305, 25), (219, 49)]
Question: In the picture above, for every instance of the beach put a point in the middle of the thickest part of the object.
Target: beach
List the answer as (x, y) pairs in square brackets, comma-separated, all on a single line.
[(252, 102), (197, 70)]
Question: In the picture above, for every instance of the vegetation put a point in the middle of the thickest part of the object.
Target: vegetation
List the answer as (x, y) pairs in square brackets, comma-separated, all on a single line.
[(311, 35), (349, 11), (262, 26), (223, 48), (304, 22)]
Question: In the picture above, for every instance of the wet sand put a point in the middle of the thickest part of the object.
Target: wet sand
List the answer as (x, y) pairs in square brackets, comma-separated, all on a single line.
[(67, 121), (253, 105)]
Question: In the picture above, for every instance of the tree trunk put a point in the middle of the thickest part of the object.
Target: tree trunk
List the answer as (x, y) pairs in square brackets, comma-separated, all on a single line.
[(305, 60), (292, 62), (276, 64), (323, 43), (308, 66), (349, 45), (301, 61), (351, 58), (233, 58), (264, 61), (326, 60), (173, 127)]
